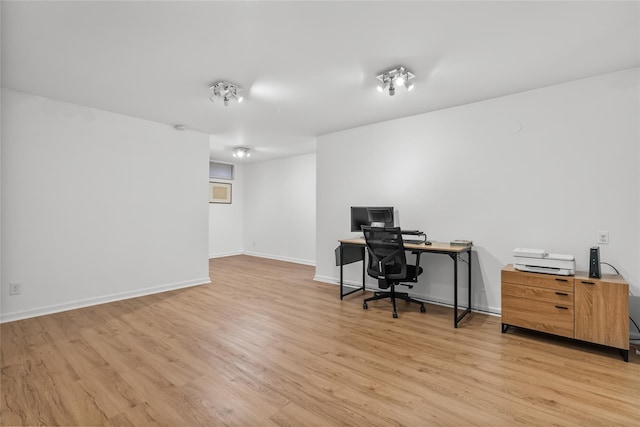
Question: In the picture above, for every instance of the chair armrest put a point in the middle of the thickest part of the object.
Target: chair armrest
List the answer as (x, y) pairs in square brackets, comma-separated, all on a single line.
[(417, 254), (383, 262)]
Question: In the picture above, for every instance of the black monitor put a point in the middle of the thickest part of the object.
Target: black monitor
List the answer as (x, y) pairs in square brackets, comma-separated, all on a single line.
[(377, 216)]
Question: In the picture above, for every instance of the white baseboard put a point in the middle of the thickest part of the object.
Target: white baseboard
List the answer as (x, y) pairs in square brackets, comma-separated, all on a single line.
[(355, 284), (333, 281), (281, 258), (325, 279), (226, 254), (268, 256), (72, 305)]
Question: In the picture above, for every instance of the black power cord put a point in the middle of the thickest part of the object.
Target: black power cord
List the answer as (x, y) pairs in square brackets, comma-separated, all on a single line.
[(634, 322), (617, 272)]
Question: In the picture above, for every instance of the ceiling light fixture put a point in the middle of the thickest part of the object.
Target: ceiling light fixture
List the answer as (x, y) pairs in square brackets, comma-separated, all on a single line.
[(226, 91), (241, 152), (396, 77)]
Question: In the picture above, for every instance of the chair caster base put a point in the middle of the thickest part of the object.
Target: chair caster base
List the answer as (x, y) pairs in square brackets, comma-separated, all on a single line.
[(365, 306), (422, 309)]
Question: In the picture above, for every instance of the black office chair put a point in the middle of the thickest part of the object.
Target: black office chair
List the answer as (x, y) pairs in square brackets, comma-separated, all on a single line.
[(388, 264)]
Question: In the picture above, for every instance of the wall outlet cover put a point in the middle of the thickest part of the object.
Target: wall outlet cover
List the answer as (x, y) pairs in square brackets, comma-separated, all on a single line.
[(15, 288)]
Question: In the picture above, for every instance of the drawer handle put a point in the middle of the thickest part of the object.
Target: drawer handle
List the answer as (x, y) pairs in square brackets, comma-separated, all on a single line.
[(561, 307), (561, 280), (562, 293), (587, 283)]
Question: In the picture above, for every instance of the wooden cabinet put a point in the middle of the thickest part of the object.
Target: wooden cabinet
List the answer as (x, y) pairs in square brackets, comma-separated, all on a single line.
[(601, 314), (592, 310)]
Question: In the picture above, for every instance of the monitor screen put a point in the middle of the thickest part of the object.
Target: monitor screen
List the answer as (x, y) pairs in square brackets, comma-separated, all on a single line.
[(381, 217), (378, 216)]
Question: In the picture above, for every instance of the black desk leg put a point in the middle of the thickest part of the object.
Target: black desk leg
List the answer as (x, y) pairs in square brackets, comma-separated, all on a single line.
[(457, 318), (469, 277), (342, 294), (341, 269), (454, 257), (364, 262)]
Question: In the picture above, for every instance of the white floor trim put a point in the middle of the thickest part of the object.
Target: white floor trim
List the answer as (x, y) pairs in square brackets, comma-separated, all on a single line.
[(72, 305)]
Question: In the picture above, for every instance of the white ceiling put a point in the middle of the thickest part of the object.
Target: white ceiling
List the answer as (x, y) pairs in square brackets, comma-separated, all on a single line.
[(307, 68)]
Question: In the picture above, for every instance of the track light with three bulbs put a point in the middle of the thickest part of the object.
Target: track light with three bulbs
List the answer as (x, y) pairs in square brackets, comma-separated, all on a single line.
[(397, 77), (241, 152), (225, 90)]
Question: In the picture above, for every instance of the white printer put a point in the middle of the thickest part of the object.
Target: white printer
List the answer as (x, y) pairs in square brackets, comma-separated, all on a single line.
[(540, 261)]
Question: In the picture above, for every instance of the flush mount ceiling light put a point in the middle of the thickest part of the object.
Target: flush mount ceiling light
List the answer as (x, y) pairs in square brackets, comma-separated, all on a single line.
[(226, 91), (390, 80), (241, 152)]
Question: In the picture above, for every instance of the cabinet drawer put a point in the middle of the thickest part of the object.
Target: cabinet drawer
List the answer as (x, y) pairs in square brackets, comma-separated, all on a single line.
[(541, 294), (560, 283), (544, 316)]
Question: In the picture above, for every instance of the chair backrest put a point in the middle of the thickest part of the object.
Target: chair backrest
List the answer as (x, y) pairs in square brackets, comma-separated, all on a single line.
[(387, 260)]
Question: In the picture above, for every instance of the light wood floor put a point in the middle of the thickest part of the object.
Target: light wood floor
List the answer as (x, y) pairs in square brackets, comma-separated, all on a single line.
[(264, 345)]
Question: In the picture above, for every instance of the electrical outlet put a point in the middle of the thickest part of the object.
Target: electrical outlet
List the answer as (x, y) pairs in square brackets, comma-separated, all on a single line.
[(15, 288), (603, 237)]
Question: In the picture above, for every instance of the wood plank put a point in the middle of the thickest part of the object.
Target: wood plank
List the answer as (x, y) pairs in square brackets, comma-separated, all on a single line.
[(434, 246), (264, 344)]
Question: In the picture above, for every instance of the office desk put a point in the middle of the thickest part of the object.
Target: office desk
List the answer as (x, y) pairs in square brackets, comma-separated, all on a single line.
[(435, 248)]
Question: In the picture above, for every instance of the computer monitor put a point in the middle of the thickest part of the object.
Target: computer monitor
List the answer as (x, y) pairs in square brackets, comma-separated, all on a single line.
[(376, 216), (381, 217)]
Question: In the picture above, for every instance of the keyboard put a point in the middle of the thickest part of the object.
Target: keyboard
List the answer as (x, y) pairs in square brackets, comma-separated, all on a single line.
[(415, 242)]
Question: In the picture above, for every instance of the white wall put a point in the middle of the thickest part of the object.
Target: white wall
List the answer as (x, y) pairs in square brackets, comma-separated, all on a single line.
[(97, 206), (280, 209), (226, 221), (545, 168)]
